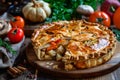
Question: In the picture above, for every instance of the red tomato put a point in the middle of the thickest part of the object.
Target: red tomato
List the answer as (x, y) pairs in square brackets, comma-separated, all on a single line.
[(18, 22), (15, 35), (100, 17), (116, 18)]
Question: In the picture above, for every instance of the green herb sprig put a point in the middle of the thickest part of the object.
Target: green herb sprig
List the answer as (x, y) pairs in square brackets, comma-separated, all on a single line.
[(7, 46)]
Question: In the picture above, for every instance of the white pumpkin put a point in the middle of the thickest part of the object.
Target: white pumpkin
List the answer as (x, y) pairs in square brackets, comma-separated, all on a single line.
[(36, 11)]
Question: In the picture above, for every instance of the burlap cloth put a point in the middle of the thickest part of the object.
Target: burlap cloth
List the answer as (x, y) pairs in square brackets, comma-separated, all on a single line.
[(6, 58)]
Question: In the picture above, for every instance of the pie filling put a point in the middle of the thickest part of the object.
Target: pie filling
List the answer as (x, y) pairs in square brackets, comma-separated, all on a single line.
[(78, 44)]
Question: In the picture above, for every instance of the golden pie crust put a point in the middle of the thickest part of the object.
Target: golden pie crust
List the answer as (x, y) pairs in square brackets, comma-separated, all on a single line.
[(78, 44)]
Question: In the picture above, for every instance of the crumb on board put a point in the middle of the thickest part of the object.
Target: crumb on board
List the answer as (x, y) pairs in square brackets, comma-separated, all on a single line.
[(68, 67), (49, 63), (55, 66)]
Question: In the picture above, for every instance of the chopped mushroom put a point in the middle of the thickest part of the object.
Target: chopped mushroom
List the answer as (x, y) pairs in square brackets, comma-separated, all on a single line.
[(4, 27)]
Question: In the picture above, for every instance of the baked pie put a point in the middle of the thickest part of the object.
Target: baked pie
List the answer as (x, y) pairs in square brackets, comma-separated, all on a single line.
[(78, 44)]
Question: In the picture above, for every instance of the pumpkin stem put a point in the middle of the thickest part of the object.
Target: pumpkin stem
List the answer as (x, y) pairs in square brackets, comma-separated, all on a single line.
[(36, 4)]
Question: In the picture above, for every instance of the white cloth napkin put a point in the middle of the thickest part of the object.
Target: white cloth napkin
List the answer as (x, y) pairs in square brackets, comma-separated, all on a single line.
[(6, 58)]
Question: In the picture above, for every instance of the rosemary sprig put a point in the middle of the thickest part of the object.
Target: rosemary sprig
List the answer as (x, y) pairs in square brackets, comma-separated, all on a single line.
[(7, 46)]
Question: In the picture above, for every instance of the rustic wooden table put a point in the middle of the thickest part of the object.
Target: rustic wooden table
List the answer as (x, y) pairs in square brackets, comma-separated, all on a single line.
[(111, 76), (115, 75)]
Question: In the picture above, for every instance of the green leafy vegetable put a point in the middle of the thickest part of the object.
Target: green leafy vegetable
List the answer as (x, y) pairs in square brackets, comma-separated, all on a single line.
[(66, 9), (117, 33), (7, 46)]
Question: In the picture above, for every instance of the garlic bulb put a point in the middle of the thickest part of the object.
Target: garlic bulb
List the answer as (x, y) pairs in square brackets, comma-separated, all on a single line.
[(85, 9)]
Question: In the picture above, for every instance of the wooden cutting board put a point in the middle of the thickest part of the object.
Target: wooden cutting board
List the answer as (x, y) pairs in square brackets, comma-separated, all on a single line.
[(47, 66)]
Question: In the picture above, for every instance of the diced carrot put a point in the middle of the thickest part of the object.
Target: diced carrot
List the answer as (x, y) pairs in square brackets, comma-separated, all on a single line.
[(58, 41), (53, 44), (51, 47)]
